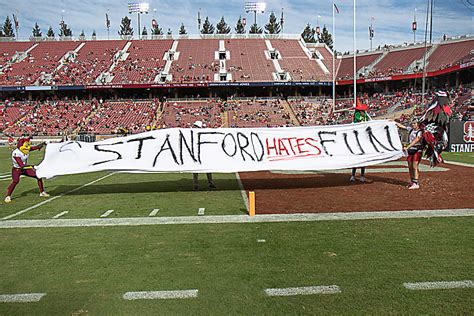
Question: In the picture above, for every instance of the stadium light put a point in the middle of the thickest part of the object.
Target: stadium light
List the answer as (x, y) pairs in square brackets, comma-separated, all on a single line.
[(255, 7), (138, 8)]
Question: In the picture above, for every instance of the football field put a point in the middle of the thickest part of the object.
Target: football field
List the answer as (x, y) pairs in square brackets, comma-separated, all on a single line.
[(304, 266)]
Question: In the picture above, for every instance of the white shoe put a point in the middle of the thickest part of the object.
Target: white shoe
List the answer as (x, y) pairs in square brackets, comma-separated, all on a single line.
[(353, 179), (362, 179), (8, 199), (414, 186), (44, 194)]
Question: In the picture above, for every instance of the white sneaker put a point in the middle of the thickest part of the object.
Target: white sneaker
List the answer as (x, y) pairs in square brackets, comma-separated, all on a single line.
[(8, 199), (44, 194), (353, 179), (362, 179), (414, 186)]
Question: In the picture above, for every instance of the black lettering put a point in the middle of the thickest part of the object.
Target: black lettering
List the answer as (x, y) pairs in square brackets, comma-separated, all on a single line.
[(199, 142), (347, 143), (322, 141), (242, 146), (262, 151), (168, 147), (224, 146), (389, 137), (97, 147), (373, 139), (190, 149), (356, 134), (140, 144), (61, 149)]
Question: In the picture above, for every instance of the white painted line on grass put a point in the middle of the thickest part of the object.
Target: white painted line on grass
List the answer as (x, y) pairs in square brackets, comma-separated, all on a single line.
[(56, 197), (21, 298), (60, 214), (107, 213), (232, 219), (242, 192), (160, 295), (462, 164), (154, 212), (308, 290), (439, 285), (201, 211)]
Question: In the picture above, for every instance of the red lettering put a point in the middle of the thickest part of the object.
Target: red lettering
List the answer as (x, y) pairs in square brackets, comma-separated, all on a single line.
[(291, 144), (309, 140), (274, 147), (282, 147), (299, 144)]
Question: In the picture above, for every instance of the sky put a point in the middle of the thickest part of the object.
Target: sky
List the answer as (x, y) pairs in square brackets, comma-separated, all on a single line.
[(391, 19)]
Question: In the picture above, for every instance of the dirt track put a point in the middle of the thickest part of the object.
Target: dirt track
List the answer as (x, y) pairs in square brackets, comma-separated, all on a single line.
[(321, 193)]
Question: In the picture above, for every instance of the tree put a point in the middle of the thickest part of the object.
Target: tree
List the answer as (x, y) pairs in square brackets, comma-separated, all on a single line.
[(50, 33), (125, 27), (326, 37), (156, 30), (144, 32), (36, 32), (170, 32), (273, 27), (8, 28), (1, 33), (207, 27), (82, 36), (64, 30), (308, 34), (182, 30), (222, 27), (254, 29), (240, 28), (94, 35)]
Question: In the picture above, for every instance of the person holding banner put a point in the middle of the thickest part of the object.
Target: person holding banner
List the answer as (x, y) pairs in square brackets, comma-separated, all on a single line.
[(360, 115), (210, 182), (414, 151), (20, 167)]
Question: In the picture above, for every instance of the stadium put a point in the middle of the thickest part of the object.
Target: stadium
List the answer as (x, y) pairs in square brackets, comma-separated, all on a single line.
[(121, 123)]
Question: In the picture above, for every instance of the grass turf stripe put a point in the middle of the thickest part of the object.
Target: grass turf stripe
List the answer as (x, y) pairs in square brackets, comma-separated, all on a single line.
[(439, 285), (308, 290), (21, 298), (160, 295), (229, 219)]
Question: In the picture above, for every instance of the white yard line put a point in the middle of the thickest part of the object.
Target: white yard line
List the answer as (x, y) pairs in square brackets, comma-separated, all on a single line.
[(462, 164), (160, 295), (21, 298), (154, 212), (106, 214), (439, 285), (60, 214), (308, 290), (232, 219), (242, 191), (56, 197), (201, 211)]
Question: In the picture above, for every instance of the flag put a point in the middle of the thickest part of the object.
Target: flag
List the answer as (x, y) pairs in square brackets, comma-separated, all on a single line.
[(336, 8), (107, 21), (15, 19)]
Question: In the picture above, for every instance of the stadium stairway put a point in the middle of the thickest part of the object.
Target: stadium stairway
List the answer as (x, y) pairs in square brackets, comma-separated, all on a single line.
[(291, 113)]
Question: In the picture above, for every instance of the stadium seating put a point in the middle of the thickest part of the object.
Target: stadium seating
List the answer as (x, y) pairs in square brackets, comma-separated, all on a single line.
[(248, 61), (9, 49), (397, 61), (257, 113), (450, 53), (185, 113), (11, 112), (196, 61), (346, 67)]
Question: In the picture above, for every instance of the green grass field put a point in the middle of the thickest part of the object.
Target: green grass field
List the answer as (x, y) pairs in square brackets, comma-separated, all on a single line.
[(459, 157), (87, 270)]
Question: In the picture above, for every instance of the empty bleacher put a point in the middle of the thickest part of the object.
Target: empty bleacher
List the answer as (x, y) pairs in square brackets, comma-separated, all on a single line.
[(248, 61), (450, 53)]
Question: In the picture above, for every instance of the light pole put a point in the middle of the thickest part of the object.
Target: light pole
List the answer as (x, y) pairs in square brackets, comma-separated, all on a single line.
[(371, 32), (318, 28), (255, 7), (413, 27), (139, 8)]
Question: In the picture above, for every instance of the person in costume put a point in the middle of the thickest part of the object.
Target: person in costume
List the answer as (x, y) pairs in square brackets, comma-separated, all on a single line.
[(360, 115), (435, 121), (210, 181), (21, 167)]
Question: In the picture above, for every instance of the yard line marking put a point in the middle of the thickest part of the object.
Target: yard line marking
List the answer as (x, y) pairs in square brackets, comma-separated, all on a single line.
[(60, 214), (21, 298), (462, 164), (160, 295), (242, 192), (201, 211), (56, 197), (154, 212), (232, 219), (107, 213), (308, 290), (439, 285)]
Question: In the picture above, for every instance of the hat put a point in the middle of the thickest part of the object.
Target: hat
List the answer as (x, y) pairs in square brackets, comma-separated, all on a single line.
[(198, 124), (360, 106)]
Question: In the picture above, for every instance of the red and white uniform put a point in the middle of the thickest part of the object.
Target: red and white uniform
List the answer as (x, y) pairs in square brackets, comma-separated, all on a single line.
[(19, 159)]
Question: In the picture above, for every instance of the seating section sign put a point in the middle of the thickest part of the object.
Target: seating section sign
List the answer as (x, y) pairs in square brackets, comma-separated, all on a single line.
[(229, 150), (461, 136)]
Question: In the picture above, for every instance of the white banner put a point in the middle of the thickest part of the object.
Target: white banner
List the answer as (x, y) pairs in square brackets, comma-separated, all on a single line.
[(230, 150)]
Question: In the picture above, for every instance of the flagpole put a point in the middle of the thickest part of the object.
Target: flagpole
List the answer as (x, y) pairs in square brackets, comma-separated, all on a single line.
[(355, 53), (333, 58)]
